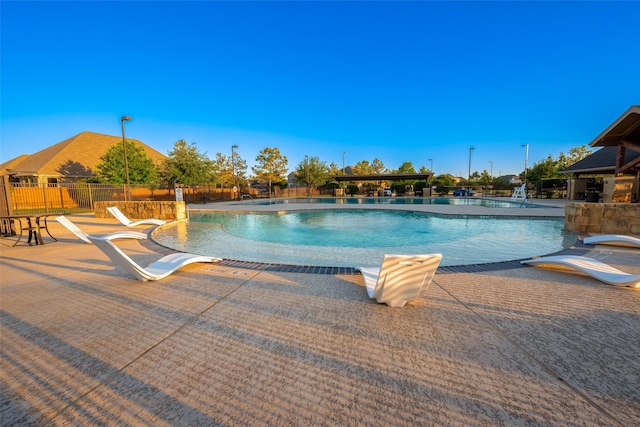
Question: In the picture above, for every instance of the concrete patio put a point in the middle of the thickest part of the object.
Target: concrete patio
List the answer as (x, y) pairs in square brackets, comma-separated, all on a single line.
[(82, 343)]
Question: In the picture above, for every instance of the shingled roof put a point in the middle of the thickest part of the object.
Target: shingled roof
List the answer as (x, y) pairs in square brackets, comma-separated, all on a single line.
[(4, 167), (75, 157), (620, 152), (602, 161)]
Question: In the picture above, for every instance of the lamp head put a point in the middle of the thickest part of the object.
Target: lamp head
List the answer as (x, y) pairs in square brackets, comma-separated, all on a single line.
[(125, 118)]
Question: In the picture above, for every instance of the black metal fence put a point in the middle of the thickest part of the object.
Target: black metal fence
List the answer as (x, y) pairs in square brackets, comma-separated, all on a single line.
[(17, 198)]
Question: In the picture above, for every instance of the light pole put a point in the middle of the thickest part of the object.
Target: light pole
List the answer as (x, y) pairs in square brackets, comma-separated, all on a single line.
[(124, 150), (491, 173), (432, 174), (306, 160), (233, 169), (526, 162), (469, 173), (343, 153)]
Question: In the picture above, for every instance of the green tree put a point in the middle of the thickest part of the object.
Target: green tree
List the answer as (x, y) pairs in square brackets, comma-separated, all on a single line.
[(239, 168), (550, 168), (142, 170), (187, 166), (475, 177), (271, 166), (575, 155), (230, 171), (223, 169), (363, 167), (443, 181), (377, 166), (406, 167), (485, 178), (545, 169), (312, 172), (334, 169), (405, 184)]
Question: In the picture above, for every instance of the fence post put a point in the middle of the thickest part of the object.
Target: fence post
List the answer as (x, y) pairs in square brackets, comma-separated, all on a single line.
[(61, 198), (90, 197), (6, 204), (46, 202)]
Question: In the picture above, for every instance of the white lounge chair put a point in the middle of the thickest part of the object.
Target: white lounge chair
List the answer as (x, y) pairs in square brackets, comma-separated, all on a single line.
[(85, 237), (592, 267), (401, 278), (155, 271), (126, 221), (613, 239)]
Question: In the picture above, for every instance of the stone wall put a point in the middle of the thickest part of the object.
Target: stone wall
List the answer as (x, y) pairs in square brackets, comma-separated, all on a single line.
[(168, 211), (608, 218)]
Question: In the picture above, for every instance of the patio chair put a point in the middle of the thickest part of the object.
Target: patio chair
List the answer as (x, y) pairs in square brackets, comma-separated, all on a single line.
[(612, 239), (85, 237), (126, 221), (155, 271), (592, 267), (401, 278)]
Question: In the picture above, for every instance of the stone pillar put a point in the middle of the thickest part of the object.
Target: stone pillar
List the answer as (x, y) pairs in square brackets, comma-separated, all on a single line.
[(576, 189), (619, 189)]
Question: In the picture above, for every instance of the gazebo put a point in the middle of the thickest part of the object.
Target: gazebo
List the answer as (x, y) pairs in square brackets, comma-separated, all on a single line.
[(379, 178), (619, 157)]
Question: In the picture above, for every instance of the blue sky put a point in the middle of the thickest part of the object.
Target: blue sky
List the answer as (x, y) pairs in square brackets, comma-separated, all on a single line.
[(400, 81)]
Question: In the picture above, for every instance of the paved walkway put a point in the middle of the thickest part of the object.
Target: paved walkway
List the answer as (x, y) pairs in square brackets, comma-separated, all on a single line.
[(84, 344)]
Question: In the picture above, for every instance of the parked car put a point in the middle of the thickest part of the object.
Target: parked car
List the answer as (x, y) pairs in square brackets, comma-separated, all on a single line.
[(463, 192), (386, 192)]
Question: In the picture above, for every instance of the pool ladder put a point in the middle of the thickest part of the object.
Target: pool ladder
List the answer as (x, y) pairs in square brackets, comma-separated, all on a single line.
[(524, 201), (247, 196)]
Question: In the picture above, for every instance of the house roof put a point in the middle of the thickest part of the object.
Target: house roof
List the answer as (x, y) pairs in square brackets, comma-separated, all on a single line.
[(620, 137), (76, 156), (603, 161), (10, 164), (624, 128)]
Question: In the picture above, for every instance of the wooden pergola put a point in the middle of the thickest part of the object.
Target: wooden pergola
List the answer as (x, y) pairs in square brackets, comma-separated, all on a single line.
[(385, 177), (624, 134)]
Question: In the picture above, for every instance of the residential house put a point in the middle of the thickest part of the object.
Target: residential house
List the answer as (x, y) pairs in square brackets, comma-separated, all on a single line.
[(71, 160)]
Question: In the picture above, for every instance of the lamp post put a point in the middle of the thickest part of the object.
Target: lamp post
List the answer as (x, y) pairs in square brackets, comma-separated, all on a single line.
[(124, 150), (491, 173), (469, 172), (526, 162), (233, 169), (306, 160), (343, 170), (429, 182)]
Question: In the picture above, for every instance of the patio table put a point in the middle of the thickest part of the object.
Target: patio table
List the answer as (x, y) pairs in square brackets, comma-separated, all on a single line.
[(34, 225)]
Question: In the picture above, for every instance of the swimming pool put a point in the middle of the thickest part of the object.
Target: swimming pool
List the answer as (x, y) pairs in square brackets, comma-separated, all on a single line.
[(349, 238), (467, 201)]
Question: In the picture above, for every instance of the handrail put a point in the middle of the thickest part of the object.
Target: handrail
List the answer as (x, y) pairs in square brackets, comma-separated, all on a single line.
[(244, 196), (524, 201)]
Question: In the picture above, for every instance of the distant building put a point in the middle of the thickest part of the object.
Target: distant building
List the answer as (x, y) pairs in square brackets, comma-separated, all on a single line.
[(509, 180), (71, 160)]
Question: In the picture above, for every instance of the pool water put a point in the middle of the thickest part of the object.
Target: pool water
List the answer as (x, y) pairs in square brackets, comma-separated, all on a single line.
[(467, 201), (352, 238)]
